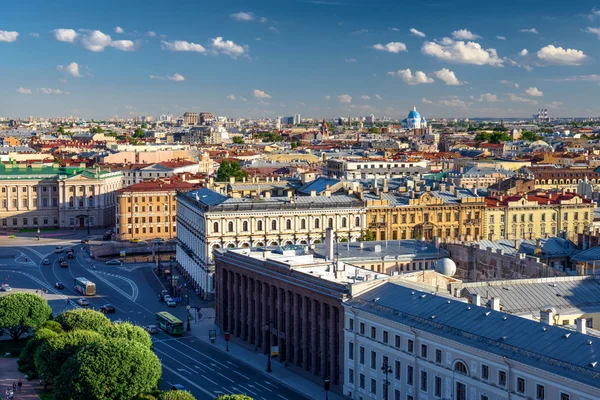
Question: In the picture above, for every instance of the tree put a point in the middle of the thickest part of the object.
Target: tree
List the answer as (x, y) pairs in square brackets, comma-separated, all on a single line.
[(82, 319), (482, 137), (21, 313), (529, 136), (26, 360), (367, 236), (127, 331), (230, 169), (53, 326), (375, 130), (238, 140), (138, 133), (234, 397), (176, 395), (499, 137), (61, 130), (116, 369), (294, 145)]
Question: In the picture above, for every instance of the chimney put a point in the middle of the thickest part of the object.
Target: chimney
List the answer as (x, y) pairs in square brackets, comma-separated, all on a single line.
[(476, 299), (329, 244), (517, 245), (547, 317), (496, 303), (581, 327)]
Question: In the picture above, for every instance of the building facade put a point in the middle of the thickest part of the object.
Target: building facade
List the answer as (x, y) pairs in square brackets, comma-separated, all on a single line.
[(190, 118), (374, 168)]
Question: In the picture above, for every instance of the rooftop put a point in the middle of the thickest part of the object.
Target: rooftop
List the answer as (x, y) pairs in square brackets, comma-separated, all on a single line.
[(383, 250)]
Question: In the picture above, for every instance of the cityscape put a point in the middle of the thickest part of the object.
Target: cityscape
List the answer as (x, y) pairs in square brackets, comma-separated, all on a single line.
[(320, 199)]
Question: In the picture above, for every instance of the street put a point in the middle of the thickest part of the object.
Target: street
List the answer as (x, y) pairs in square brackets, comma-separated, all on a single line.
[(133, 290)]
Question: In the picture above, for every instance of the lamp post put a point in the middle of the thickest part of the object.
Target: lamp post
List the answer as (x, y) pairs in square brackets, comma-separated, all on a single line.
[(269, 346), (227, 337), (326, 387), (189, 328), (88, 220), (386, 369)]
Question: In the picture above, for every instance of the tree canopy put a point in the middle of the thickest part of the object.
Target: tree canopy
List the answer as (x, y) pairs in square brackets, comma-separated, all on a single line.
[(238, 140), (367, 236), (127, 331), (496, 137), (176, 395), (234, 397), (138, 133), (21, 313), (230, 169), (83, 319), (529, 136), (26, 361)]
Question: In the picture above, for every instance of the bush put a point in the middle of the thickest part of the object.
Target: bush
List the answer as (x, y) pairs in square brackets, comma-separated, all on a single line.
[(234, 397), (83, 319), (127, 331), (53, 326), (177, 395)]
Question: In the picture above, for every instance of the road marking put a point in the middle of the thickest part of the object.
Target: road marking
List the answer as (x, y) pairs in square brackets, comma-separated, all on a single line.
[(115, 288), (284, 398), (216, 384), (230, 363), (230, 380), (204, 355), (190, 382), (264, 387), (245, 388), (269, 383), (242, 375), (193, 359), (184, 370)]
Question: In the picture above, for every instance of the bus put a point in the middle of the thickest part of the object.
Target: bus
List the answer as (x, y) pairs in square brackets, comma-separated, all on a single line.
[(169, 323), (85, 287)]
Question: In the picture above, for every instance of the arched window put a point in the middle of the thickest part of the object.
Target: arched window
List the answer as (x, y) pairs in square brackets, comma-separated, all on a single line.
[(260, 244), (90, 201), (71, 203), (317, 223), (216, 227), (288, 224), (357, 222), (259, 226), (344, 222), (230, 226), (245, 226), (274, 225), (461, 368), (330, 223), (302, 224)]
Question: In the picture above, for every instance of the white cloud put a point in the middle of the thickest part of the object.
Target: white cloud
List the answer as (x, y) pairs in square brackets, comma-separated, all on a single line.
[(273, 29), (462, 52), (520, 99), (365, 97), (22, 90), (488, 97), (259, 94), (378, 97), (425, 101), (360, 32), (243, 16), (65, 35), (530, 30), (447, 76), (8, 36), (455, 103), (555, 104), (523, 52), (228, 47), (345, 98), (35, 35), (501, 37), (175, 77), (95, 40), (463, 34), (243, 99), (417, 33), (394, 29), (327, 97), (392, 47), (407, 76), (595, 31), (263, 19), (51, 91), (151, 33), (123, 45), (535, 92), (71, 69), (583, 78), (560, 56), (510, 83), (350, 60), (182, 45), (119, 30), (231, 97)]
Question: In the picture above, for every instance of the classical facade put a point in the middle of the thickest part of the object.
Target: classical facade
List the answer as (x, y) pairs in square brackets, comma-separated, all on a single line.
[(366, 168), (38, 196), (537, 215), (559, 177), (207, 220)]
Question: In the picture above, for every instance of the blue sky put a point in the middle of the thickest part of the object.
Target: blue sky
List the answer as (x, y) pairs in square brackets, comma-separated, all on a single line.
[(318, 58)]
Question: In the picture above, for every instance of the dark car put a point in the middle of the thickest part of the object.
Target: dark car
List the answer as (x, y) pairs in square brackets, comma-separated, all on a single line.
[(61, 259), (107, 309), (59, 285), (70, 255), (64, 264), (107, 236), (84, 241)]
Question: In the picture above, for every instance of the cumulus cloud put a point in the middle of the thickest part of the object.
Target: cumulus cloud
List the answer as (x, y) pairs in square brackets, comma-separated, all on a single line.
[(461, 52), (559, 56), (95, 40), (534, 92), (51, 91), (123, 45), (463, 34), (407, 76), (22, 90), (378, 97), (71, 69), (425, 101), (181, 45), (530, 30), (65, 35), (523, 52), (35, 35), (231, 97), (345, 98), (509, 83), (392, 47), (243, 16), (119, 30), (447, 76), (151, 33), (327, 97), (259, 94), (175, 77), (454, 103), (501, 37), (228, 47), (520, 99), (488, 97), (273, 29), (8, 36), (417, 33), (595, 31), (365, 97)]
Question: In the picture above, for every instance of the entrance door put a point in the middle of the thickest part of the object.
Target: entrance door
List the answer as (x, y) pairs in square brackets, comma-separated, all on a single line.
[(82, 222)]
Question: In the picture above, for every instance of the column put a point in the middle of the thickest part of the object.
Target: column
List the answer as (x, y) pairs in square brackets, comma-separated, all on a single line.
[(281, 320), (333, 354), (265, 317), (305, 338), (296, 329), (243, 307), (313, 336), (229, 300), (257, 315), (289, 332), (249, 314), (324, 348)]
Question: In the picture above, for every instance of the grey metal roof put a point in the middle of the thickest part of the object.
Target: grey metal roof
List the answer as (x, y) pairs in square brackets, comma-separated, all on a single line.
[(206, 196), (551, 247), (526, 341), (388, 250), (589, 255), (319, 185)]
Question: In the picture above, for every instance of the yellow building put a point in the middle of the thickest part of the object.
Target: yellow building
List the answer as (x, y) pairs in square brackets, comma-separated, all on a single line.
[(537, 215)]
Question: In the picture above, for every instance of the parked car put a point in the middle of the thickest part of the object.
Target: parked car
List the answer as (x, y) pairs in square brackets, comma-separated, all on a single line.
[(172, 241), (151, 329), (83, 302), (106, 236), (134, 240), (6, 288), (158, 241), (164, 293), (64, 264), (59, 285), (107, 309), (142, 243), (46, 261), (166, 298), (171, 303), (114, 262)]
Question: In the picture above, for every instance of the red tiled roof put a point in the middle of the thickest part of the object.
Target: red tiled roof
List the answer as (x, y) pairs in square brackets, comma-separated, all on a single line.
[(542, 198), (159, 186)]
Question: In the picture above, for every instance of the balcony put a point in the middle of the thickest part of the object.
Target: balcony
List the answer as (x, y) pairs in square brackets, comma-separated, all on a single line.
[(472, 221), (377, 225)]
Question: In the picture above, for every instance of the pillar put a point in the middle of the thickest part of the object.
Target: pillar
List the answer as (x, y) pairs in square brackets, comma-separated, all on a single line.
[(296, 329), (323, 341), (289, 333), (305, 337), (313, 336)]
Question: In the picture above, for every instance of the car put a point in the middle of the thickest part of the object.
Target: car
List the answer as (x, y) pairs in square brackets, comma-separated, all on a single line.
[(107, 309), (84, 241), (172, 241), (164, 293), (83, 302), (59, 249), (106, 237), (166, 297), (158, 241), (114, 262), (142, 243), (64, 264), (70, 255), (134, 240), (171, 303), (177, 386), (59, 285), (151, 329), (46, 261), (61, 259), (6, 288)]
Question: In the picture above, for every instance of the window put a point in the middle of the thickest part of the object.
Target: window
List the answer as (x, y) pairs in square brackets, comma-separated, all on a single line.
[(396, 394), (564, 396), (485, 372), (424, 381), (330, 223), (373, 332), (410, 346), (350, 351), (540, 392), (344, 222), (361, 355), (317, 223), (409, 375), (438, 356), (350, 375), (521, 385), (362, 328), (437, 387), (460, 367), (373, 360), (409, 397), (397, 370), (351, 324), (385, 336), (230, 226), (397, 342), (25, 221), (424, 350), (288, 224), (274, 225), (357, 222), (484, 397), (302, 224), (245, 226), (373, 386), (361, 381), (461, 391), (259, 226)]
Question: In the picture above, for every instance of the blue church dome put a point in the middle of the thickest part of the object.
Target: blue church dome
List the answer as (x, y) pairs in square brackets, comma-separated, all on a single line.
[(414, 114)]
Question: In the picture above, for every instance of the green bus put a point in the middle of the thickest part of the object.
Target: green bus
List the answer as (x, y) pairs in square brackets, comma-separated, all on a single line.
[(169, 323)]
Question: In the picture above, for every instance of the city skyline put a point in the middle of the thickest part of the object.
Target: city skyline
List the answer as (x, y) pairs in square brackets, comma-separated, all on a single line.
[(313, 58)]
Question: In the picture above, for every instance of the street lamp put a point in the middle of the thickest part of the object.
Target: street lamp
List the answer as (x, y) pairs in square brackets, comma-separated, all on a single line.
[(88, 220), (269, 346), (326, 387), (227, 337), (189, 328), (386, 369)]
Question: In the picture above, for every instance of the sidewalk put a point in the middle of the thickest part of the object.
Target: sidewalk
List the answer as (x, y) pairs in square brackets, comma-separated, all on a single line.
[(9, 374), (258, 361)]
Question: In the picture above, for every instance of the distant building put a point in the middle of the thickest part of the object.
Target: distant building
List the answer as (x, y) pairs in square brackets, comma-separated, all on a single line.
[(190, 118), (206, 118), (414, 121), (297, 119)]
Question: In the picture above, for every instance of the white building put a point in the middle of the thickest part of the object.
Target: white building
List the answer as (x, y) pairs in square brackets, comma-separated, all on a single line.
[(414, 120), (297, 119)]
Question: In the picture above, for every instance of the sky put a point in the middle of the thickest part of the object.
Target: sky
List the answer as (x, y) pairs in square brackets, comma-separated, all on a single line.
[(318, 58)]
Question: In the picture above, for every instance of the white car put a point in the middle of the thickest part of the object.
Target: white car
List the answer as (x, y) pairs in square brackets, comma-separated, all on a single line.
[(171, 303), (59, 249), (83, 302), (6, 288), (46, 261)]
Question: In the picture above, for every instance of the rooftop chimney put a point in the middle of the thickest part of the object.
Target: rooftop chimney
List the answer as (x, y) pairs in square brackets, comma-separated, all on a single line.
[(329, 244), (547, 317), (476, 299), (581, 327), (496, 303)]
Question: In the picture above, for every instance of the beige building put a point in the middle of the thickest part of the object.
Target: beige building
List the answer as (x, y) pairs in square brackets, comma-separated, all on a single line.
[(36, 196), (190, 118)]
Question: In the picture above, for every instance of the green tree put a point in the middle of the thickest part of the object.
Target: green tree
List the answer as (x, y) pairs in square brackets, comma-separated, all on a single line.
[(529, 136), (54, 352), (176, 395), (234, 397), (116, 369), (61, 130), (26, 361), (230, 169), (53, 326), (21, 313), (482, 137), (238, 140), (83, 319), (367, 236), (499, 137), (375, 130), (126, 331), (294, 145), (138, 133), (343, 240)]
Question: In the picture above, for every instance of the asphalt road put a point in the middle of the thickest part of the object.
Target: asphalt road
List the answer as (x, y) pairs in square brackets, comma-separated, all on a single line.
[(186, 360)]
